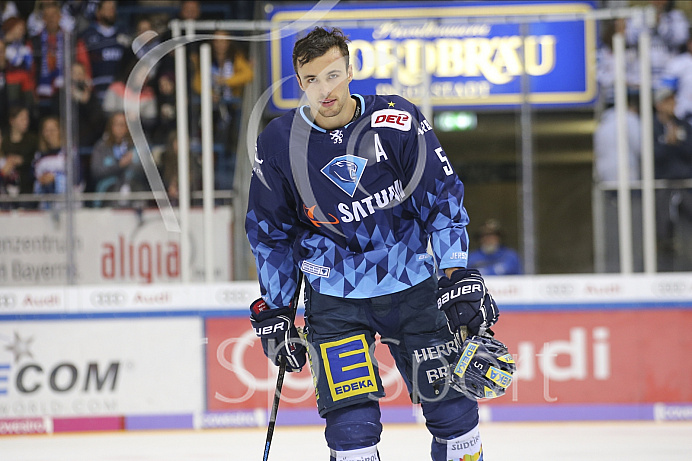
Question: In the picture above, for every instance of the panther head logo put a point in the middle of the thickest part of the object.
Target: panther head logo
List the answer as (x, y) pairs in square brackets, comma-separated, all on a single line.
[(345, 170)]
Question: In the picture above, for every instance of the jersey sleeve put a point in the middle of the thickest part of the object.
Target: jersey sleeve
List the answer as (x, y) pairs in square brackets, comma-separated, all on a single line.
[(271, 225), (437, 194)]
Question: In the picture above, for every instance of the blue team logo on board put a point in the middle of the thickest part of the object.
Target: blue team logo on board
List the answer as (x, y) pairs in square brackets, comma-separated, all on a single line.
[(345, 172)]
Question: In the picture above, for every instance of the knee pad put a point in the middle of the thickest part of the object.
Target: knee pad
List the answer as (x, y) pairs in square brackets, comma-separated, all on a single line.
[(354, 427), (449, 418)]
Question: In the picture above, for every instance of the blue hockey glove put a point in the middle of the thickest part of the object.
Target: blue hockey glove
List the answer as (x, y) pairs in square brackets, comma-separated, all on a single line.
[(279, 336), (466, 303)]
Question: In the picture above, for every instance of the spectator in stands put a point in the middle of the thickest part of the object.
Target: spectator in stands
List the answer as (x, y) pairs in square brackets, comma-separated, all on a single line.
[(493, 257), (20, 141), (230, 69), (8, 9), (83, 13), (107, 45), (144, 101), (606, 163), (49, 61), (166, 107), (91, 117), (678, 72), (189, 10), (91, 121), (36, 22), (19, 76), (605, 69), (115, 163), (144, 26), (668, 36), (230, 72), (49, 162), (169, 168), (9, 175), (672, 161), (3, 86)]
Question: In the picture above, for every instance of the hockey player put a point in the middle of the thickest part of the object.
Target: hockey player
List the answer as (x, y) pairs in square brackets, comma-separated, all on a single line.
[(350, 189)]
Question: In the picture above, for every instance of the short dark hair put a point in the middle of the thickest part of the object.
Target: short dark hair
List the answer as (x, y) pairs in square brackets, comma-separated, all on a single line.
[(317, 43), (15, 110)]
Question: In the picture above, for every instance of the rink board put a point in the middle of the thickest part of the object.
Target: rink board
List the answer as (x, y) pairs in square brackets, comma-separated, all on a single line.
[(173, 356)]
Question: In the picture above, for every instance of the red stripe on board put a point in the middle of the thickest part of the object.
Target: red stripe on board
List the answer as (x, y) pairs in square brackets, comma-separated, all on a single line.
[(110, 423)]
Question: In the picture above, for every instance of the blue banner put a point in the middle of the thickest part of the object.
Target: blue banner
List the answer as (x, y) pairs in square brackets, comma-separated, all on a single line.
[(475, 53)]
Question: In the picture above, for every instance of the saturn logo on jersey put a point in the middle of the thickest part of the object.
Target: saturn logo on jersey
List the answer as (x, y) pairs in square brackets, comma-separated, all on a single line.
[(310, 213), (345, 171), (348, 367)]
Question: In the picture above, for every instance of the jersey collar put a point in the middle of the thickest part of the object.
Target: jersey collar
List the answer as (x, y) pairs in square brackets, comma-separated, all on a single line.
[(306, 107)]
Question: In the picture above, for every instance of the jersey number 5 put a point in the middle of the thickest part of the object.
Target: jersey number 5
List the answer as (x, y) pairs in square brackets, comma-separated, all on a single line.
[(445, 162)]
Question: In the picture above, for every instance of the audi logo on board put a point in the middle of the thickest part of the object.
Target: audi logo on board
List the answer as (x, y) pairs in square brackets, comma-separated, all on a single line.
[(7, 301), (228, 297), (108, 298)]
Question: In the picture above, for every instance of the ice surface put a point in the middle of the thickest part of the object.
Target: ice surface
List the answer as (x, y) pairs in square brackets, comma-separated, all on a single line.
[(602, 441)]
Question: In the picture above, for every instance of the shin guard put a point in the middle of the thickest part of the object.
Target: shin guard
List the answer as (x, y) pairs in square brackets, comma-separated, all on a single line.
[(360, 454), (466, 447)]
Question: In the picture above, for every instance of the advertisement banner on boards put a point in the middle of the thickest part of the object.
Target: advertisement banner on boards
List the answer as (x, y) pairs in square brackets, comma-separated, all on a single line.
[(100, 367), (241, 378), (590, 357), (575, 357), (111, 246), (476, 53)]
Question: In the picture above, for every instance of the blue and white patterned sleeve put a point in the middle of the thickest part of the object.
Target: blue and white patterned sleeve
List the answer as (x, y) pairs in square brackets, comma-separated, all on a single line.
[(271, 227), (437, 194)]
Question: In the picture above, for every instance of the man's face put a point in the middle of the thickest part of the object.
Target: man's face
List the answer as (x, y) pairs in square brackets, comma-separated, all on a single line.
[(666, 106), (107, 13), (190, 10), (51, 16), (325, 82), (51, 134)]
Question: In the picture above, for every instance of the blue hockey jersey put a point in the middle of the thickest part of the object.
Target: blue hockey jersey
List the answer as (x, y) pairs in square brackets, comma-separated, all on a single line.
[(353, 207)]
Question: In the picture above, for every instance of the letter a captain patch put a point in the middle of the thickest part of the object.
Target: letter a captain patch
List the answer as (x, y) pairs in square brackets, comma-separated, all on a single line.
[(348, 367)]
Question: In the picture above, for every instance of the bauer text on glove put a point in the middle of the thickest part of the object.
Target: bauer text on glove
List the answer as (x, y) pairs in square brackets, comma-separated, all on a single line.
[(466, 302), (280, 338)]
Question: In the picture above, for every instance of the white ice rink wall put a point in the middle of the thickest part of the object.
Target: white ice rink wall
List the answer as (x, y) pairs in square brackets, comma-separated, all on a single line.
[(111, 357)]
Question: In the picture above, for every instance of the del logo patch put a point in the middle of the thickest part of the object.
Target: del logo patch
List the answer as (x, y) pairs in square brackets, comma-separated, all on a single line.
[(345, 172), (391, 118), (348, 367)]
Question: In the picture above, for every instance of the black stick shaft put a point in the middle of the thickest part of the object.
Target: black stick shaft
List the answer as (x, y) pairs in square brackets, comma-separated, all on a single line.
[(280, 380), (275, 409)]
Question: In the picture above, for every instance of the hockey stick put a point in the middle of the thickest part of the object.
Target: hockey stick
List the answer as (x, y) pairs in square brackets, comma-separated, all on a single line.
[(280, 379)]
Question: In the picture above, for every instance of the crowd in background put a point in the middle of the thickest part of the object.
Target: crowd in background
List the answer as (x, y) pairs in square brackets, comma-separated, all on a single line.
[(32, 68), (32, 74), (671, 69)]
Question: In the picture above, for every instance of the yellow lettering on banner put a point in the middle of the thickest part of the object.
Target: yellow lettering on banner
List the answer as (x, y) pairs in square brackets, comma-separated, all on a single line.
[(497, 59), (476, 51), (448, 62), (543, 46), (507, 62), (367, 61)]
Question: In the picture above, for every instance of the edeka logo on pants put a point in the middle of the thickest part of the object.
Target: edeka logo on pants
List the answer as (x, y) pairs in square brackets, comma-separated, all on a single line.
[(348, 367)]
